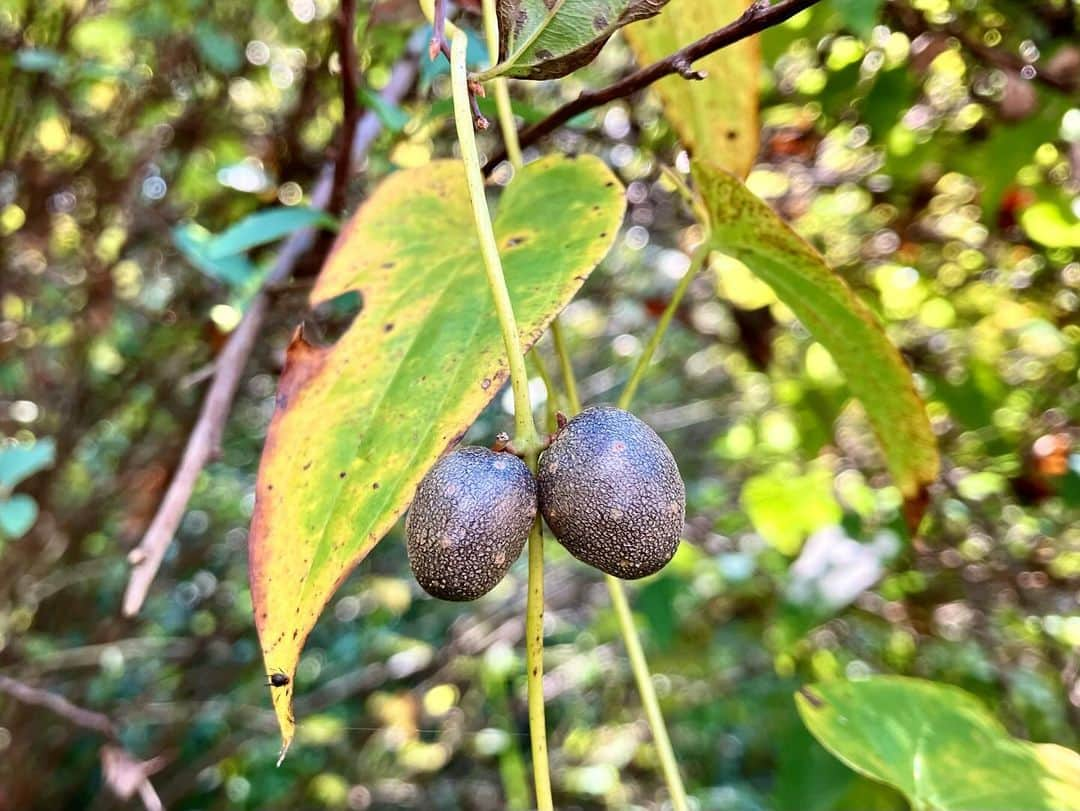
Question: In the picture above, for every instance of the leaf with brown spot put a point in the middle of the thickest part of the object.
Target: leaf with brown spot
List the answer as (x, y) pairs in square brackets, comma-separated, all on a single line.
[(546, 39), (744, 227), (717, 117), (381, 405)]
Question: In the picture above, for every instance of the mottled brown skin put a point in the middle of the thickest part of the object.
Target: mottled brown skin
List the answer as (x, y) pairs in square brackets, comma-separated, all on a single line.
[(611, 492), (469, 521)]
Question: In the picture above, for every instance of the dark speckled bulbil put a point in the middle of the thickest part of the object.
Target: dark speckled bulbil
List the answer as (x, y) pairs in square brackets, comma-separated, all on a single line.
[(611, 492), (468, 522)]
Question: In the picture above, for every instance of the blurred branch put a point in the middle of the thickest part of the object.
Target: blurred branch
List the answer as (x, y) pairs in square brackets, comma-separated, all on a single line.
[(915, 24), (346, 30), (88, 719), (205, 440), (758, 17)]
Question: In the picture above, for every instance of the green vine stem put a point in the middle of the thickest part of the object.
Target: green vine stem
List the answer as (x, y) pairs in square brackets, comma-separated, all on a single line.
[(526, 438), (638, 664), (697, 260)]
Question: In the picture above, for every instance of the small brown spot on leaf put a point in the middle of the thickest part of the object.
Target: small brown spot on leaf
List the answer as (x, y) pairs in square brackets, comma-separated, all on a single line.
[(341, 475), (375, 486), (388, 326), (812, 698), (600, 22)]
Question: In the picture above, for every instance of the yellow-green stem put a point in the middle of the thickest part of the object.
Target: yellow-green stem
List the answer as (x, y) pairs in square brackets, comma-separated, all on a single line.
[(701, 253), (525, 429), (649, 702), (526, 438), (569, 381), (638, 664)]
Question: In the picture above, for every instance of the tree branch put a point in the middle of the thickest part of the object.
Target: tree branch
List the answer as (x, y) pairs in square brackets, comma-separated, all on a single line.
[(346, 29), (205, 440), (914, 23), (88, 719), (759, 16)]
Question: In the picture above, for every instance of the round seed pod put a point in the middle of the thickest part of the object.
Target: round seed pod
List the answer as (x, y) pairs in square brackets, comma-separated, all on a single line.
[(468, 522), (611, 492)]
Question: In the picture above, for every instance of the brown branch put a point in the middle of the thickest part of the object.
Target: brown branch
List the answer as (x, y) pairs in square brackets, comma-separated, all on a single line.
[(88, 719), (204, 442), (346, 29), (759, 16)]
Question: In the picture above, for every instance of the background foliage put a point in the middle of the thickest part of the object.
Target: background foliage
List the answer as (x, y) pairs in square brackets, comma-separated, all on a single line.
[(915, 144)]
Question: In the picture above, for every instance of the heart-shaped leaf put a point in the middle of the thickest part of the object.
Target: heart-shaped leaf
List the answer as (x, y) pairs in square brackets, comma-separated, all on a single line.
[(746, 228), (939, 746), (546, 39), (359, 423), (17, 515), (717, 116)]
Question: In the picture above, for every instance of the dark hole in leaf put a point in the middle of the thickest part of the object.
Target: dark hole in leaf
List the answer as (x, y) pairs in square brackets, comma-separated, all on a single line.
[(331, 319)]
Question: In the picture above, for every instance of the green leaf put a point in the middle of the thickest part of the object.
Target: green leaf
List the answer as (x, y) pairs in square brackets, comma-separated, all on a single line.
[(217, 49), (359, 423), (717, 116), (786, 507), (939, 746), (17, 515), (264, 227), (746, 228), (546, 39), (1048, 224), (18, 462), (194, 243), (859, 16), (393, 118)]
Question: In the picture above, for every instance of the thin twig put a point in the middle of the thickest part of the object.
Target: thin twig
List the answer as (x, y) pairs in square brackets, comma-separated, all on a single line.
[(88, 719), (754, 20), (204, 442), (914, 24), (438, 32), (346, 30)]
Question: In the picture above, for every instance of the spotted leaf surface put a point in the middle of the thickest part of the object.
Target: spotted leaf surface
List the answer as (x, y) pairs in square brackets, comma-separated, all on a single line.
[(358, 424), (717, 117), (744, 227), (546, 39)]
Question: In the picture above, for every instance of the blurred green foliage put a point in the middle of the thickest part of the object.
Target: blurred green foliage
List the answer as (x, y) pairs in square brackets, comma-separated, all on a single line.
[(930, 152)]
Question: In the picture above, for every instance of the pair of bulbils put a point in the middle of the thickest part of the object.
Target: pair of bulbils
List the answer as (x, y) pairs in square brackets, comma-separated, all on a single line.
[(607, 486)]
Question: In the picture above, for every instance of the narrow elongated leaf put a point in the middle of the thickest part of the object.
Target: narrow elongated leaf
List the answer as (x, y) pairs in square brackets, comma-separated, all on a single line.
[(717, 117), (264, 227), (939, 746), (546, 39), (194, 242), (746, 228), (359, 423)]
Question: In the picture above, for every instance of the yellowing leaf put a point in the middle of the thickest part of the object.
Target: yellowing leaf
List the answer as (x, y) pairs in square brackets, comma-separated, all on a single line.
[(359, 423), (716, 118), (938, 745), (746, 228)]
